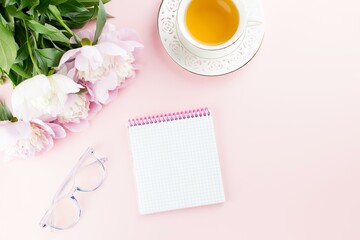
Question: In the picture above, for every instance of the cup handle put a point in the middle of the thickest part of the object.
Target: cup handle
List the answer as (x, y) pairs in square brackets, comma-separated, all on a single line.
[(254, 21)]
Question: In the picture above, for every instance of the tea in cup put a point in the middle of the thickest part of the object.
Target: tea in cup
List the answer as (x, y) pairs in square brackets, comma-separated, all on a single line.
[(211, 28)]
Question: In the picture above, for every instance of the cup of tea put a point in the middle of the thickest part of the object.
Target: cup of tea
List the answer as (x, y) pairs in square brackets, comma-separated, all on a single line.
[(211, 28)]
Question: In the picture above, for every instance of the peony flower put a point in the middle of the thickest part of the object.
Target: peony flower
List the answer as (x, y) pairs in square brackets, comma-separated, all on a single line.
[(42, 96), (27, 139), (77, 111), (104, 67), (126, 38)]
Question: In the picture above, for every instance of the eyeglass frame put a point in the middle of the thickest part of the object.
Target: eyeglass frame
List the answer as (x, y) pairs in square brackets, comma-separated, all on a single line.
[(46, 220)]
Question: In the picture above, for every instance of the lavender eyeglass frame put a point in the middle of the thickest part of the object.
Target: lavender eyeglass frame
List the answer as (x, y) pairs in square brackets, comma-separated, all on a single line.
[(47, 219)]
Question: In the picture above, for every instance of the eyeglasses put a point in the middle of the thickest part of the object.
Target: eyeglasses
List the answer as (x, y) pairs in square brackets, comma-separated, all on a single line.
[(86, 176)]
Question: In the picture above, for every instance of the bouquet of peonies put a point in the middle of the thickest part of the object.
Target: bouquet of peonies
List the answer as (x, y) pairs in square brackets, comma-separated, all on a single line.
[(61, 78)]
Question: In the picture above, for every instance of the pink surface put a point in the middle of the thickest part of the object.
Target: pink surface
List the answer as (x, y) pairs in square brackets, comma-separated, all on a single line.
[(287, 124)]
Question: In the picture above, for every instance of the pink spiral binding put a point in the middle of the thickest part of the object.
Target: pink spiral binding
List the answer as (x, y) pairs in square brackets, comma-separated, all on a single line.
[(169, 117)]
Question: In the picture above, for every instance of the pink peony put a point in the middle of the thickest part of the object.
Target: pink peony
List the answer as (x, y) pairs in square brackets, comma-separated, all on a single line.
[(27, 139), (104, 67)]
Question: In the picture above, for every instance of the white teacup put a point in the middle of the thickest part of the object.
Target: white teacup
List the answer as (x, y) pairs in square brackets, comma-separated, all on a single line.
[(211, 51)]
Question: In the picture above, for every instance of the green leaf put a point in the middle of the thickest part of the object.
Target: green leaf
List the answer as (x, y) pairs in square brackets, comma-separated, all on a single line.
[(9, 2), (71, 8), (34, 4), (8, 48), (28, 67), (19, 33), (41, 62), (13, 11), (20, 71), (13, 78), (42, 29), (93, 1), (57, 2), (43, 6), (100, 22), (26, 3), (3, 21), (51, 56), (5, 113), (82, 18), (22, 53), (58, 37), (9, 25), (55, 10), (50, 32)]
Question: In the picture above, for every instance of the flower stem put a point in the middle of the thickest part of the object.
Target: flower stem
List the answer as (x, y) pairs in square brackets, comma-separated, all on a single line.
[(37, 69), (77, 39)]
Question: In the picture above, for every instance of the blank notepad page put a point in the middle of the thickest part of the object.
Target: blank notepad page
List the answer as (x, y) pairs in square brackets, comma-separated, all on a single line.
[(175, 161)]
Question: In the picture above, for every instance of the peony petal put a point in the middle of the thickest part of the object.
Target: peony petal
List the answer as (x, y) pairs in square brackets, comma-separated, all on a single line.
[(69, 55), (94, 109), (102, 87), (62, 70), (42, 97), (91, 94), (10, 132), (58, 130), (47, 147), (101, 93), (135, 44), (72, 74), (82, 63), (38, 84), (112, 95), (27, 95), (127, 47), (65, 84), (43, 126), (111, 49), (92, 53), (125, 83)]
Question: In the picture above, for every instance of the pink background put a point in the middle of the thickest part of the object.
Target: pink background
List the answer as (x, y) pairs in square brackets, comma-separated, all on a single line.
[(287, 124)]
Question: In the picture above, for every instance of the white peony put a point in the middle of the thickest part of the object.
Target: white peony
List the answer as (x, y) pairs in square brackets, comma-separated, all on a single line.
[(76, 109), (42, 96)]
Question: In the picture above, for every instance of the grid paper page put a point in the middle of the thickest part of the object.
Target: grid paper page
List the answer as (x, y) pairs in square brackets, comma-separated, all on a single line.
[(176, 165)]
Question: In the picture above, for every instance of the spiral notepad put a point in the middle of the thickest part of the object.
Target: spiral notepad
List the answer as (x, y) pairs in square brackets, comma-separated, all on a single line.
[(175, 160)]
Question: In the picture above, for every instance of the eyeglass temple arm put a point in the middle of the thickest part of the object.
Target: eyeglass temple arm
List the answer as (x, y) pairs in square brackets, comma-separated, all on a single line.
[(44, 220)]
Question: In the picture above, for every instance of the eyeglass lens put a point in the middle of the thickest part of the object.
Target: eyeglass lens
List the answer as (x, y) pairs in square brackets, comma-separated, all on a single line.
[(90, 175), (66, 213)]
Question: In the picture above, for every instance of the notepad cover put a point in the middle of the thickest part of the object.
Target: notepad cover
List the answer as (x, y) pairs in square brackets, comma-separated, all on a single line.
[(175, 161)]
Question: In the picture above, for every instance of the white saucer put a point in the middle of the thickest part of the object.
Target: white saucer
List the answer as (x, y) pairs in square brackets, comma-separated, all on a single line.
[(251, 42)]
